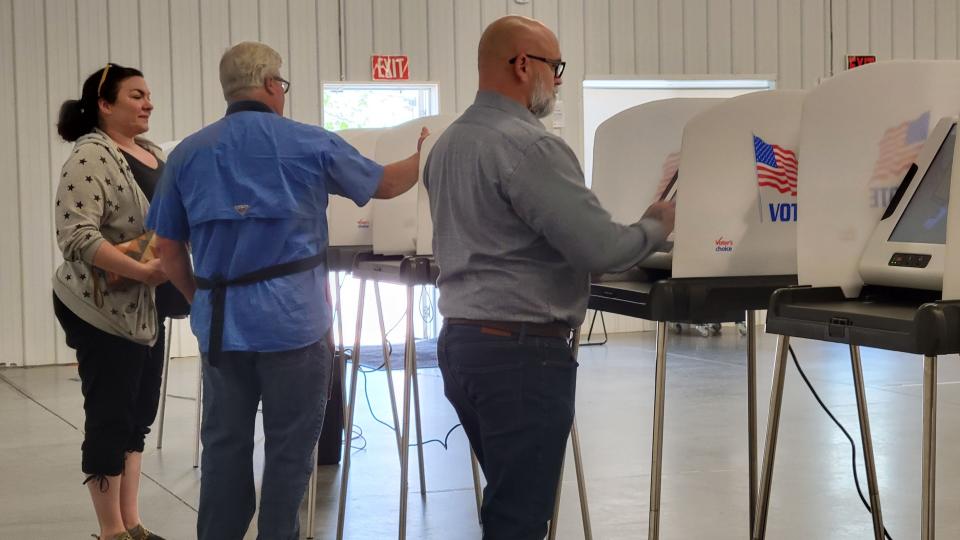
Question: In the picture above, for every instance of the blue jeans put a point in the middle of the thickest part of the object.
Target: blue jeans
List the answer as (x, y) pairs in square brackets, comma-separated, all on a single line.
[(514, 396), (293, 386)]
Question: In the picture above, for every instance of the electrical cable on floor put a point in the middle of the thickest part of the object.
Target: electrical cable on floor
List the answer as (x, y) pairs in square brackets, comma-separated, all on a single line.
[(357, 435), (853, 446), (445, 443)]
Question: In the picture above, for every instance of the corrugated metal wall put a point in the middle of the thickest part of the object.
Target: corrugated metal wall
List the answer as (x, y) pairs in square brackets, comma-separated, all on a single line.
[(47, 47)]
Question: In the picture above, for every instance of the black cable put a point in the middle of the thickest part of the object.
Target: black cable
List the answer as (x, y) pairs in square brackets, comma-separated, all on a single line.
[(445, 443), (853, 446), (357, 435)]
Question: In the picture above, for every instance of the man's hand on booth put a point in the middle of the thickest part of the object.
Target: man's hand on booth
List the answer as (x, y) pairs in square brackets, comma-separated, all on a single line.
[(664, 212)]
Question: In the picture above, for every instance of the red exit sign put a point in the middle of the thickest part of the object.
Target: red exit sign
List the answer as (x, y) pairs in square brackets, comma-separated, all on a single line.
[(854, 61), (390, 68)]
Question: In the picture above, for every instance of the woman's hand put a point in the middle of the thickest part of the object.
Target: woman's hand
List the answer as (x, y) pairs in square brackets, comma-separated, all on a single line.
[(152, 273)]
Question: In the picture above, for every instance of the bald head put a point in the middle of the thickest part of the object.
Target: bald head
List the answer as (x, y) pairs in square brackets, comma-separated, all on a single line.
[(509, 36), (510, 59)]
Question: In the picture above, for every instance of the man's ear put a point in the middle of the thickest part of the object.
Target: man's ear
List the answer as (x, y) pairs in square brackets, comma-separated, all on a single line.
[(266, 86), (521, 68)]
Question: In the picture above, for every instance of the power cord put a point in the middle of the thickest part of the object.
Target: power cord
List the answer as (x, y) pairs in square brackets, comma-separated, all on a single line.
[(853, 446), (445, 443)]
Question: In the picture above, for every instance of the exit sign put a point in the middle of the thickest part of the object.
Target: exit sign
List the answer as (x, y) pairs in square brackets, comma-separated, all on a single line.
[(854, 61), (390, 68)]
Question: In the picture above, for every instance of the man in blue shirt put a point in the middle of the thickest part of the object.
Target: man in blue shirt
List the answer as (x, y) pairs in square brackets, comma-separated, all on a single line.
[(249, 193)]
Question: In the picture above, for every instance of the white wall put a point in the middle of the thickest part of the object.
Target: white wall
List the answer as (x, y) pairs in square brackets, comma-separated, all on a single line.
[(47, 47)]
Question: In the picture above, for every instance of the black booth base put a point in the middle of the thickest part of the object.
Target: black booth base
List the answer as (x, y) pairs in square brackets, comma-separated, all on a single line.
[(688, 300), (903, 320)]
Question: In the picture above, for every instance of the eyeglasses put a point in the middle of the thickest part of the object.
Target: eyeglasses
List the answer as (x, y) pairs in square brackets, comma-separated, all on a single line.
[(557, 65), (284, 84)]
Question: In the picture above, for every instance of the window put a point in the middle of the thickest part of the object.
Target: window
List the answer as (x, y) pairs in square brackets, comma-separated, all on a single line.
[(375, 105)]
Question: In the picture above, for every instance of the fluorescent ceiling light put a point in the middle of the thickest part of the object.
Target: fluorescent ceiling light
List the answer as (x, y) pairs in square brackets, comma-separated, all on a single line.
[(655, 84)]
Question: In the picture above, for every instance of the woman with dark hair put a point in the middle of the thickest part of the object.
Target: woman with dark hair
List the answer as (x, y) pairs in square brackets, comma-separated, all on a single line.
[(105, 299)]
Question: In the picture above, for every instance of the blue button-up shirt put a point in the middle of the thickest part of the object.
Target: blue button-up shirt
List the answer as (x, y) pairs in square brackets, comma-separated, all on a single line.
[(251, 191)]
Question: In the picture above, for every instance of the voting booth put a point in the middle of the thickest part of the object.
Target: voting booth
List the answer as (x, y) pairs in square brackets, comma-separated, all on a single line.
[(349, 224), (876, 242), (737, 207), (397, 221), (738, 163), (636, 159)]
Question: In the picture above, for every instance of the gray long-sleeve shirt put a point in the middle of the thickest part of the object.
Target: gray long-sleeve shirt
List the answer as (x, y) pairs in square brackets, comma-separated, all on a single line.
[(516, 231)]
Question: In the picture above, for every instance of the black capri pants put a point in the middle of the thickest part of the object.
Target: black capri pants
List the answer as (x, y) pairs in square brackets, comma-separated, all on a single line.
[(120, 381)]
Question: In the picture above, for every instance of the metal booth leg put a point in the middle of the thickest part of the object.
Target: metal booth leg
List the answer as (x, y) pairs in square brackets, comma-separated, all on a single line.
[(581, 484), (867, 441), (387, 366), (751, 324), (929, 458), (348, 423), (581, 490), (656, 463), (552, 530), (416, 391), (408, 376), (196, 442), (341, 347), (478, 494), (578, 466), (770, 448), (163, 385)]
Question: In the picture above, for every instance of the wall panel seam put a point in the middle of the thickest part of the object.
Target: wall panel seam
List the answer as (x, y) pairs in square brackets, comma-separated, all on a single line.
[(46, 83), (203, 104), (109, 44), (707, 38), (173, 95), (140, 33), (76, 26), (16, 149)]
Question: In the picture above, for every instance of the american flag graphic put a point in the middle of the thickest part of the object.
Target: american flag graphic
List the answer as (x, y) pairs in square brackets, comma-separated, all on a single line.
[(670, 167), (776, 167), (898, 148)]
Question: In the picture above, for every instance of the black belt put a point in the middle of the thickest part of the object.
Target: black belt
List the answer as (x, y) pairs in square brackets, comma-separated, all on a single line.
[(218, 296)]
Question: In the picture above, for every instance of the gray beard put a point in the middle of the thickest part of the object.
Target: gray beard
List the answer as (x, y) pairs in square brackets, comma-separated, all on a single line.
[(541, 100)]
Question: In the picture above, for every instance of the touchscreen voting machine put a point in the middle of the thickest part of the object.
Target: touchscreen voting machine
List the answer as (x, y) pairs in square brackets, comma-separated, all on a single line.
[(908, 245)]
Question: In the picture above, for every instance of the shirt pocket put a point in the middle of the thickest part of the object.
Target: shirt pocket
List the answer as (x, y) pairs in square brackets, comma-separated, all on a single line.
[(254, 187)]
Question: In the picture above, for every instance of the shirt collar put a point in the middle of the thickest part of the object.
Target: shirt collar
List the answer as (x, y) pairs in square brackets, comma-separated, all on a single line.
[(247, 105), (487, 98)]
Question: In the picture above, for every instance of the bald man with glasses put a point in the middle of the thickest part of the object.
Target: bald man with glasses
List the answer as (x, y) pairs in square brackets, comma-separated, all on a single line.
[(516, 236)]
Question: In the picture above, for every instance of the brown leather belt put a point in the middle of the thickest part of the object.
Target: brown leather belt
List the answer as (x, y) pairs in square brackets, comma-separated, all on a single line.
[(512, 328)]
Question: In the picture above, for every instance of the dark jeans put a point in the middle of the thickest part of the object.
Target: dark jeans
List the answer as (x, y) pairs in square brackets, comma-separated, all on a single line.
[(515, 399), (293, 386), (120, 382)]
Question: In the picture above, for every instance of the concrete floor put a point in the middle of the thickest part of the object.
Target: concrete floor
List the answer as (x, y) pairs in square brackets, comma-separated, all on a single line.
[(704, 470)]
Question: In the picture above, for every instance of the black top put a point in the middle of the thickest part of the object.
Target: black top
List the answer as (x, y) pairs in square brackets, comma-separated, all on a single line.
[(146, 177), (170, 303)]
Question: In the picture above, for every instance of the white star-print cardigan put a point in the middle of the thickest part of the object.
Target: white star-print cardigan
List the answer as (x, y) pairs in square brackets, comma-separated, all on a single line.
[(99, 200)]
